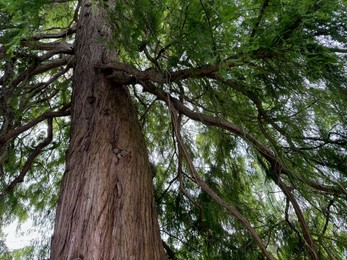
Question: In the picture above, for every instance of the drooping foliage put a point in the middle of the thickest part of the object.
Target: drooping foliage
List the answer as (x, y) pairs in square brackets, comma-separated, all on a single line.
[(247, 98)]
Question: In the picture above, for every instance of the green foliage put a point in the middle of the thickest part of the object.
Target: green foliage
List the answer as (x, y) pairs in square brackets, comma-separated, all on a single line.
[(21, 19), (28, 100), (281, 79)]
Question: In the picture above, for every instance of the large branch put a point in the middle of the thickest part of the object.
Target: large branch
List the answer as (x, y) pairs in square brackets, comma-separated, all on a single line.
[(231, 210), (276, 164), (57, 46), (30, 160), (265, 151), (126, 74), (62, 34)]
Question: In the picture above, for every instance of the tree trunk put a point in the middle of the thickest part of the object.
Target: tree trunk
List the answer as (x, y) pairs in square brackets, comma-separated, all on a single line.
[(106, 207)]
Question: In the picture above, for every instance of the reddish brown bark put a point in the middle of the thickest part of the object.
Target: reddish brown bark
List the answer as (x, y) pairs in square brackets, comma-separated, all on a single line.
[(106, 208)]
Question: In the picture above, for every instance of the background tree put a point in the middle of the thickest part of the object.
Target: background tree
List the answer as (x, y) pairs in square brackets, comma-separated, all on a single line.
[(242, 105)]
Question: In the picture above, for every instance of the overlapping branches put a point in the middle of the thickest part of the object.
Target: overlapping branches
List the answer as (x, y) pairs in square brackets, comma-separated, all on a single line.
[(21, 129), (29, 162), (230, 209), (51, 55), (24, 81), (277, 166), (126, 74)]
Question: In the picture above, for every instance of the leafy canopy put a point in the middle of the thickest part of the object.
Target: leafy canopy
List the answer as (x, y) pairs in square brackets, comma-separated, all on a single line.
[(248, 96)]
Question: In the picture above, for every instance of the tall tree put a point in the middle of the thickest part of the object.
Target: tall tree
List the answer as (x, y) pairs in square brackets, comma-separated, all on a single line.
[(240, 106)]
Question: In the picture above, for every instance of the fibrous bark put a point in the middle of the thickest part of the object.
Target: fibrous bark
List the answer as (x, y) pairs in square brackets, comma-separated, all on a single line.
[(106, 207)]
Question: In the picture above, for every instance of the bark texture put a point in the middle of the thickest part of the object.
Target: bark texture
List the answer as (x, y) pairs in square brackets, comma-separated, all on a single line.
[(106, 207)]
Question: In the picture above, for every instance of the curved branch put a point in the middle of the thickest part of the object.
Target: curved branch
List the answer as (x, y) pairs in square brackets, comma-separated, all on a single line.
[(180, 156), (231, 210), (42, 85), (35, 69), (49, 115), (212, 121), (30, 160), (276, 165), (306, 232), (265, 151)]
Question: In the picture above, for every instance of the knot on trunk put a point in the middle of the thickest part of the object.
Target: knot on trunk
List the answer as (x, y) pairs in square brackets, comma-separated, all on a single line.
[(121, 77)]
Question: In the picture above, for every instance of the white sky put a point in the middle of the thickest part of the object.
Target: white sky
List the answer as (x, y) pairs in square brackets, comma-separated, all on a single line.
[(15, 240)]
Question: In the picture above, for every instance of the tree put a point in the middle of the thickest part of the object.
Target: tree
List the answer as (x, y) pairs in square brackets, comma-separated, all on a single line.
[(239, 105)]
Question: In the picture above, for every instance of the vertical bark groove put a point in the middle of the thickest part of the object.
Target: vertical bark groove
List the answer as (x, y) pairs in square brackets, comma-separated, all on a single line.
[(106, 207)]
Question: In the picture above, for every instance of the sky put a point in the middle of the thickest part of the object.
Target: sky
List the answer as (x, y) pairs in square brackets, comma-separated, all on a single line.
[(15, 240)]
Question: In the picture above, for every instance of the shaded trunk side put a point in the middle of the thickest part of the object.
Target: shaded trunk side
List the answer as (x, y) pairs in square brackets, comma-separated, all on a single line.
[(106, 207)]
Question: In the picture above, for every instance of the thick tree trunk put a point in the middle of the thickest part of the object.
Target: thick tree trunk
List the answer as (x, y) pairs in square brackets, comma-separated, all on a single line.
[(106, 208)]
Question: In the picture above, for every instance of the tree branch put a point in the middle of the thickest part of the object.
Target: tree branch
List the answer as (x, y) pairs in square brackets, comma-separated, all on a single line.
[(266, 152), (126, 74), (35, 69), (231, 210), (260, 17), (337, 50), (57, 46), (180, 167), (170, 253), (62, 34), (42, 85), (30, 160), (306, 232), (276, 164), (212, 121), (49, 115)]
